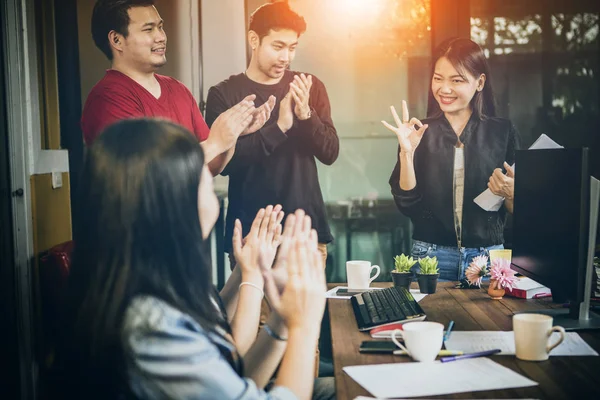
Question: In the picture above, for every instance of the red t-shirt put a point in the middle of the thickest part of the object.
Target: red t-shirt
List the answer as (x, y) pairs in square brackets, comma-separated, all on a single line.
[(118, 97)]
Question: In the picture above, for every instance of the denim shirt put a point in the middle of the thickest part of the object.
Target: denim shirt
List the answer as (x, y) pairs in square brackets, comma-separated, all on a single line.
[(170, 356)]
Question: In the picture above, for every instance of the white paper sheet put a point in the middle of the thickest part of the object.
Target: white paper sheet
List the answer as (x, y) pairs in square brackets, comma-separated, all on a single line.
[(473, 341), (414, 379), (331, 294), (491, 202), (375, 398)]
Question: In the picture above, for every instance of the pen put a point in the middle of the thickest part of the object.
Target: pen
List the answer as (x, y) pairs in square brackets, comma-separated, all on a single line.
[(442, 353), (470, 355), (449, 330)]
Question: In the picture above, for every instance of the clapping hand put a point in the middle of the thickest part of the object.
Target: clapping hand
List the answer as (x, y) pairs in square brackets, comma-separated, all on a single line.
[(263, 236), (260, 116), (297, 226), (268, 246), (300, 90), (301, 300), (408, 137), (286, 113), (230, 124)]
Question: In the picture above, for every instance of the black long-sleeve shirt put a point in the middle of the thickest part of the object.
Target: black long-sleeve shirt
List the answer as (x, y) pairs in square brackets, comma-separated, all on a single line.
[(273, 167), (488, 143)]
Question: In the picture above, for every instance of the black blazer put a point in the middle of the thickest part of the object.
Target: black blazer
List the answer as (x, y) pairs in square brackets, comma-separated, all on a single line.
[(487, 144)]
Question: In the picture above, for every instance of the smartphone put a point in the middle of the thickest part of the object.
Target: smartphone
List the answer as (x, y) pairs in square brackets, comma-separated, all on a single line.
[(377, 346), (349, 292)]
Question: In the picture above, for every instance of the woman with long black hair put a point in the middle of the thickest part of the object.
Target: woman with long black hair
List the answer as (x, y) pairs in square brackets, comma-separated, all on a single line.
[(451, 157), (143, 318)]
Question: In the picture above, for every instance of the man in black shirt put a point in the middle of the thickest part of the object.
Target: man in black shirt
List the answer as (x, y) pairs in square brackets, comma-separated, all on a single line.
[(276, 165)]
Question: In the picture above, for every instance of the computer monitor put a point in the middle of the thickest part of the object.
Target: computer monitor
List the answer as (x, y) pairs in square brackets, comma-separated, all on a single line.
[(554, 229)]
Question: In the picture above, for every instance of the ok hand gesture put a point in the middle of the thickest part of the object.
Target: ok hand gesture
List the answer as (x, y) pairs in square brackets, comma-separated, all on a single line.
[(408, 137)]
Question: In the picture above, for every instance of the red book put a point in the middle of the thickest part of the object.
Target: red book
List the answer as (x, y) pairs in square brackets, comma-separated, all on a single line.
[(385, 331), (527, 288)]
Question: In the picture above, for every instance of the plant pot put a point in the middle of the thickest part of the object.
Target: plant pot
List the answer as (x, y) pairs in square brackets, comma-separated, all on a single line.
[(402, 279), (427, 282), (495, 292)]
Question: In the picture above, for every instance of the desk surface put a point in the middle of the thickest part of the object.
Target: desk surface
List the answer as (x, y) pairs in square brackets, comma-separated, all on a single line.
[(558, 378)]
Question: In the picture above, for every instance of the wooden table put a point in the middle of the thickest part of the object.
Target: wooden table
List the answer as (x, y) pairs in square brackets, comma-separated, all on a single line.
[(558, 378)]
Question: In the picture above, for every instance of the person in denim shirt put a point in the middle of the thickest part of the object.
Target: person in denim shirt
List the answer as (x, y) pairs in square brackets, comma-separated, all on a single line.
[(447, 160), (143, 319)]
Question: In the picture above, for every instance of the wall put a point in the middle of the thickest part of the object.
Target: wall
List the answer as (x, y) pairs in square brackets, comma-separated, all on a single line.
[(92, 61), (223, 40), (51, 212), (223, 27), (50, 208)]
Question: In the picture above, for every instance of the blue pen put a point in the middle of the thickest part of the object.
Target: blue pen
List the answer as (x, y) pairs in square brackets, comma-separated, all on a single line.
[(450, 325), (471, 355)]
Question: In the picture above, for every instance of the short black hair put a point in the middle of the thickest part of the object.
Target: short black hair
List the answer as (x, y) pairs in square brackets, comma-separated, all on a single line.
[(112, 15), (276, 16)]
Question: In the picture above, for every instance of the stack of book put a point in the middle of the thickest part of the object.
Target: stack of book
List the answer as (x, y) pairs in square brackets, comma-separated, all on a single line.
[(527, 288)]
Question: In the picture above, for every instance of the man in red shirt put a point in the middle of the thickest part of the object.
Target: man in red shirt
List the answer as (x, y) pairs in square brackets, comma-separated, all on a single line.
[(130, 33)]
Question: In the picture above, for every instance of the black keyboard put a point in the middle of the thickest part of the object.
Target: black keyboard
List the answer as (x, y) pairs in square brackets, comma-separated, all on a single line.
[(385, 306)]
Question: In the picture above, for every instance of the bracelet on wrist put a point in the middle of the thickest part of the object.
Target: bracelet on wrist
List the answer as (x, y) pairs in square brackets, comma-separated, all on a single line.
[(255, 286), (274, 335)]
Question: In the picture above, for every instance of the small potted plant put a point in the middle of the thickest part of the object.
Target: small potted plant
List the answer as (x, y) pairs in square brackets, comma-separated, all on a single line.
[(402, 274), (428, 274), (502, 277)]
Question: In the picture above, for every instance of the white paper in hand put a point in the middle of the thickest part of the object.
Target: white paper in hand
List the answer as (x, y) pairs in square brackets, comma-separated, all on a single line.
[(491, 202)]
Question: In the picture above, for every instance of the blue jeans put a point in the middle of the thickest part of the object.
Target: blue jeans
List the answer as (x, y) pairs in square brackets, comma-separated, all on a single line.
[(452, 261)]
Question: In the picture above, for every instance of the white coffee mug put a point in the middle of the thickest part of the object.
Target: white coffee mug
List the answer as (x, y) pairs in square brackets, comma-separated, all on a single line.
[(532, 336), (359, 274), (422, 340)]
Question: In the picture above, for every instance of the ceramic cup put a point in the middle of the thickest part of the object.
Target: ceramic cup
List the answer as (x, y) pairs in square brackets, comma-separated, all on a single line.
[(359, 274), (422, 340), (532, 336)]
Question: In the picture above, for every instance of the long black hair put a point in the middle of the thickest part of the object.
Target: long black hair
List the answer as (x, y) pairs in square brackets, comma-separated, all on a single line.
[(138, 233), (466, 56)]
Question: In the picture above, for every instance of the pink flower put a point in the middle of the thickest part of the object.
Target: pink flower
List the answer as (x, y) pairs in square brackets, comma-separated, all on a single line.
[(477, 270), (501, 272)]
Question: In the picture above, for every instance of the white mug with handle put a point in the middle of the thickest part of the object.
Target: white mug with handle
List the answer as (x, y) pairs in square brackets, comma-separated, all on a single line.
[(359, 274), (532, 336), (423, 339)]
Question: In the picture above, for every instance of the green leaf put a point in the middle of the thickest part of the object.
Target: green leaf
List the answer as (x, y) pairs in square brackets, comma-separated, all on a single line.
[(404, 263), (428, 265)]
